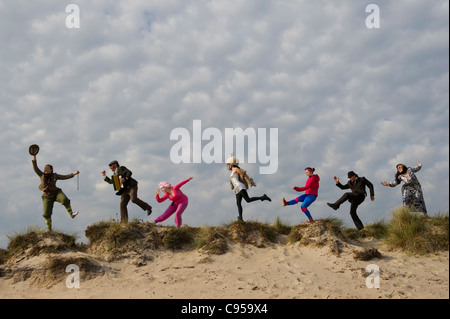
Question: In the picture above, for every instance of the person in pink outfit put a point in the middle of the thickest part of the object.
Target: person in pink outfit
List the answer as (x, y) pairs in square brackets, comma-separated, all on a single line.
[(178, 198)]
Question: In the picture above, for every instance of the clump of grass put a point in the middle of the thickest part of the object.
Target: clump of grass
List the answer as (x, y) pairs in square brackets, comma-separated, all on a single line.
[(305, 232), (30, 238), (366, 254), (30, 241), (281, 227), (115, 233), (251, 232), (212, 240), (178, 237), (4, 256), (414, 234), (376, 230)]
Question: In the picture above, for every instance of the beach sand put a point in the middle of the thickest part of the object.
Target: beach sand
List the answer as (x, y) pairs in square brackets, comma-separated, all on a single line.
[(277, 271)]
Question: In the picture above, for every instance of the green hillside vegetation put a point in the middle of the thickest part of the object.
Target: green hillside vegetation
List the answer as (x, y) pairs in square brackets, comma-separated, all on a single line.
[(405, 231)]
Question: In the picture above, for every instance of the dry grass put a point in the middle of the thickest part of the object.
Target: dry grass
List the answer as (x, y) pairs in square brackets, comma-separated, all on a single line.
[(412, 233), (29, 241), (407, 231)]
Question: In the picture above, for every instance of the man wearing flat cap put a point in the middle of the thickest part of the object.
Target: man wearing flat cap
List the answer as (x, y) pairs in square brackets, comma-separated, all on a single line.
[(128, 191), (355, 197)]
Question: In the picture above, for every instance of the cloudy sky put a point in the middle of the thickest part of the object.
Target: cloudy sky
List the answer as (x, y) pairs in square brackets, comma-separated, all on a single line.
[(341, 95)]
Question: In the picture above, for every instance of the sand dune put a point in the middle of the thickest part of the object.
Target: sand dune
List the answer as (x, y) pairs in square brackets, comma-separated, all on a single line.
[(271, 271)]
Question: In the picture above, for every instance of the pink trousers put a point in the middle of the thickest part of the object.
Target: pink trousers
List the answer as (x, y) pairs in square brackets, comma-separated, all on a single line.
[(178, 209)]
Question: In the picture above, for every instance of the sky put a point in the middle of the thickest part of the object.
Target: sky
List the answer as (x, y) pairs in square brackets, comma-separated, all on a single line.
[(343, 88)]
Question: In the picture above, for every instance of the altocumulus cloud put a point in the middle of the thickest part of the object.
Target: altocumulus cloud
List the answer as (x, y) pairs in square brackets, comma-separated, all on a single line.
[(343, 97)]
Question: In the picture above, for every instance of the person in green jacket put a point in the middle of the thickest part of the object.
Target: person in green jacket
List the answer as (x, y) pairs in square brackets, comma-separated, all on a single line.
[(51, 193)]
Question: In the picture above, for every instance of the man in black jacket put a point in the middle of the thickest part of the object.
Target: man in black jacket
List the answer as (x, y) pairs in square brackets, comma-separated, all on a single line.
[(356, 197), (128, 191)]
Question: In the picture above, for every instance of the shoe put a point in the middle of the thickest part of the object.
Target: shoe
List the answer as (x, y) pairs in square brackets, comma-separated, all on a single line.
[(283, 201), (149, 211), (334, 206), (265, 197), (75, 214), (311, 221)]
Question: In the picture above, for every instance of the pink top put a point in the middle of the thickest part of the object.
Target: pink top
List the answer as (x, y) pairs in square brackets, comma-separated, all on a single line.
[(178, 196), (311, 187)]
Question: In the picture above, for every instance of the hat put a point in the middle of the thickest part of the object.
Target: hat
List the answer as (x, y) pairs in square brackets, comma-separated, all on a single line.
[(33, 149), (351, 174), (232, 160), (164, 185), (114, 162)]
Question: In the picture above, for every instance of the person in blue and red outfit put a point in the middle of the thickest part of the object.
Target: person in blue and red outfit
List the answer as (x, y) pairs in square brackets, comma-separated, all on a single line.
[(311, 190)]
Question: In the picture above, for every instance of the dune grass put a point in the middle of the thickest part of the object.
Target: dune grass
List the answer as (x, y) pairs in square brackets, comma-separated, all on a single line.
[(414, 234), (18, 242), (405, 230)]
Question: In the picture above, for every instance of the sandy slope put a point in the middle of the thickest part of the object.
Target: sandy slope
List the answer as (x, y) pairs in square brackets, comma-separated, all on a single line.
[(280, 271)]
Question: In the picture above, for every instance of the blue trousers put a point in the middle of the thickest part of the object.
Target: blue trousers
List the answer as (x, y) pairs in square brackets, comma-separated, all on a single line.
[(306, 201)]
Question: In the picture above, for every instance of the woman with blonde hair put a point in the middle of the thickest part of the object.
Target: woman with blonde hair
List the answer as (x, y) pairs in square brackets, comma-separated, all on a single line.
[(240, 182)]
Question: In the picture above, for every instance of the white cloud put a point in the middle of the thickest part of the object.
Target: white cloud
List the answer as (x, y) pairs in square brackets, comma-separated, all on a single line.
[(342, 96)]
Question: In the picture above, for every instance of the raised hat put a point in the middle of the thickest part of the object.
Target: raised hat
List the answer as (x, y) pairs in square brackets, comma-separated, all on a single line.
[(33, 149)]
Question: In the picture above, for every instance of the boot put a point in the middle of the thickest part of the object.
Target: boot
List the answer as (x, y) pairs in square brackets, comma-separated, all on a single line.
[(334, 206), (48, 221)]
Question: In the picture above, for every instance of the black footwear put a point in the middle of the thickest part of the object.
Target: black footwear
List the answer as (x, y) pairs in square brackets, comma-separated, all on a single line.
[(265, 197), (334, 206), (149, 211)]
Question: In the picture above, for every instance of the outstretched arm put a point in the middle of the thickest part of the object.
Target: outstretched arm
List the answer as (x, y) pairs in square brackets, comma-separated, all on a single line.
[(182, 183), (62, 177), (417, 168), (304, 188)]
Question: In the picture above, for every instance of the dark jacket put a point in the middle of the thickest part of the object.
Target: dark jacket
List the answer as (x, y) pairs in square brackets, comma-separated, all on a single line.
[(51, 186), (358, 187), (123, 172)]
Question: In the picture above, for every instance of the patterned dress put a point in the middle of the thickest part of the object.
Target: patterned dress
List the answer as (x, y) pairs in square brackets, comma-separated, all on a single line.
[(412, 194)]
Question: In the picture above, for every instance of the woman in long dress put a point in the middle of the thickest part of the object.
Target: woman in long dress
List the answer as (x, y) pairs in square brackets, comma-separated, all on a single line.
[(412, 194)]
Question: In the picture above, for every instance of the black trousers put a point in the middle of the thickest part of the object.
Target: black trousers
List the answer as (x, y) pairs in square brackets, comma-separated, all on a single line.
[(355, 200), (244, 195)]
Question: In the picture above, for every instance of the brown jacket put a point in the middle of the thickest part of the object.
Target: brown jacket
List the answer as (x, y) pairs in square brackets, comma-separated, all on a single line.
[(52, 186), (245, 179)]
